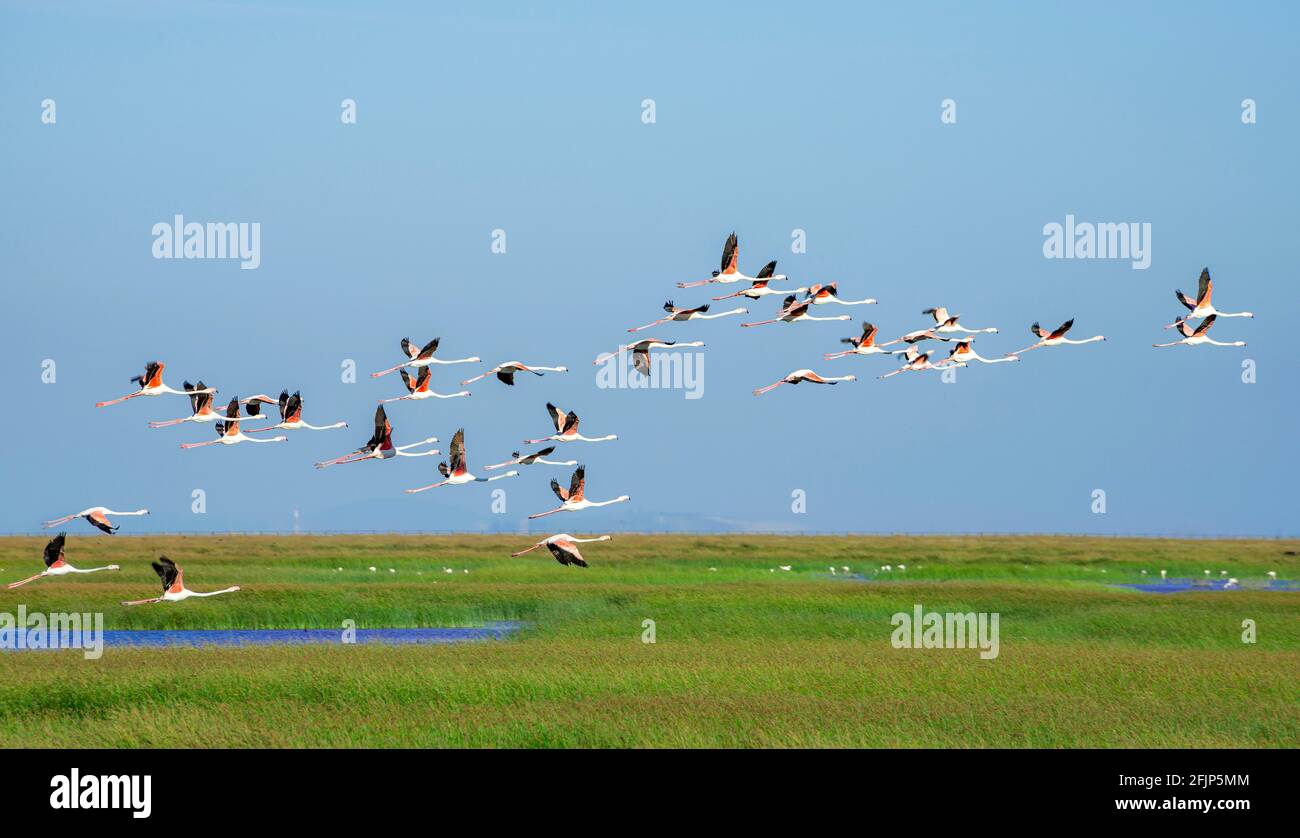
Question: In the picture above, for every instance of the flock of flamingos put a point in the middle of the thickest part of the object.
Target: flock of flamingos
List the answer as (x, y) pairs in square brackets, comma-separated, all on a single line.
[(945, 328)]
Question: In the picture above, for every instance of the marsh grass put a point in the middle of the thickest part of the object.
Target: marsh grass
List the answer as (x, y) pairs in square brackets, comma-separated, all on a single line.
[(744, 656)]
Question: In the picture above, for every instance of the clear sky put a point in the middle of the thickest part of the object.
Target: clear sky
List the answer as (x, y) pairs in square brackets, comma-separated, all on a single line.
[(768, 118)]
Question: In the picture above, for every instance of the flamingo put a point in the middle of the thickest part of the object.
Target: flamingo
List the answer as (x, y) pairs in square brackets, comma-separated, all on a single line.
[(173, 583), (505, 373), (563, 547), (947, 323), (419, 389), (1055, 338), (823, 294), (566, 429), (228, 432), (759, 287), (423, 357), (96, 516), (792, 311), (530, 459), (575, 498), (730, 272), (916, 361), (962, 354), (290, 413), (151, 384), (680, 315), (918, 336), (864, 345), (1198, 337), (200, 407), (55, 565), (457, 473), (641, 351), (380, 446), (1201, 306), (805, 375)]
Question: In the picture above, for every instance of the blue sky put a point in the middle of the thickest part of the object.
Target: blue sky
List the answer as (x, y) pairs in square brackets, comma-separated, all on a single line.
[(769, 119)]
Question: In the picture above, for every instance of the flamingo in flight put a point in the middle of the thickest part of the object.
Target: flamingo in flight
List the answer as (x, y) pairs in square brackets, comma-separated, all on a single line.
[(731, 272), (200, 407), (96, 516), (824, 294), (290, 413), (641, 351), (680, 315), (575, 498), (56, 565), (530, 459), (793, 311), (962, 354), (380, 446), (419, 389), (947, 323), (918, 336), (423, 357), (566, 429), (173, 583), (864, 345), (151, 384), (505, 373), (1201, 306), (1056, 338), (916, 362), (759, 287), (1198, 337), (563, 547), (228, 432), (456, 472), (811, 377)]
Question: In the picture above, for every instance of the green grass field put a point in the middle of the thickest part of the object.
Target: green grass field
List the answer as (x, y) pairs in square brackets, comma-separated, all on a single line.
[(744, 656)]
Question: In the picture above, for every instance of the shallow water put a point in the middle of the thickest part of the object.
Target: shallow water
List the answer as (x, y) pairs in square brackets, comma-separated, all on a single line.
[(289, 637), (1177, 586)]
